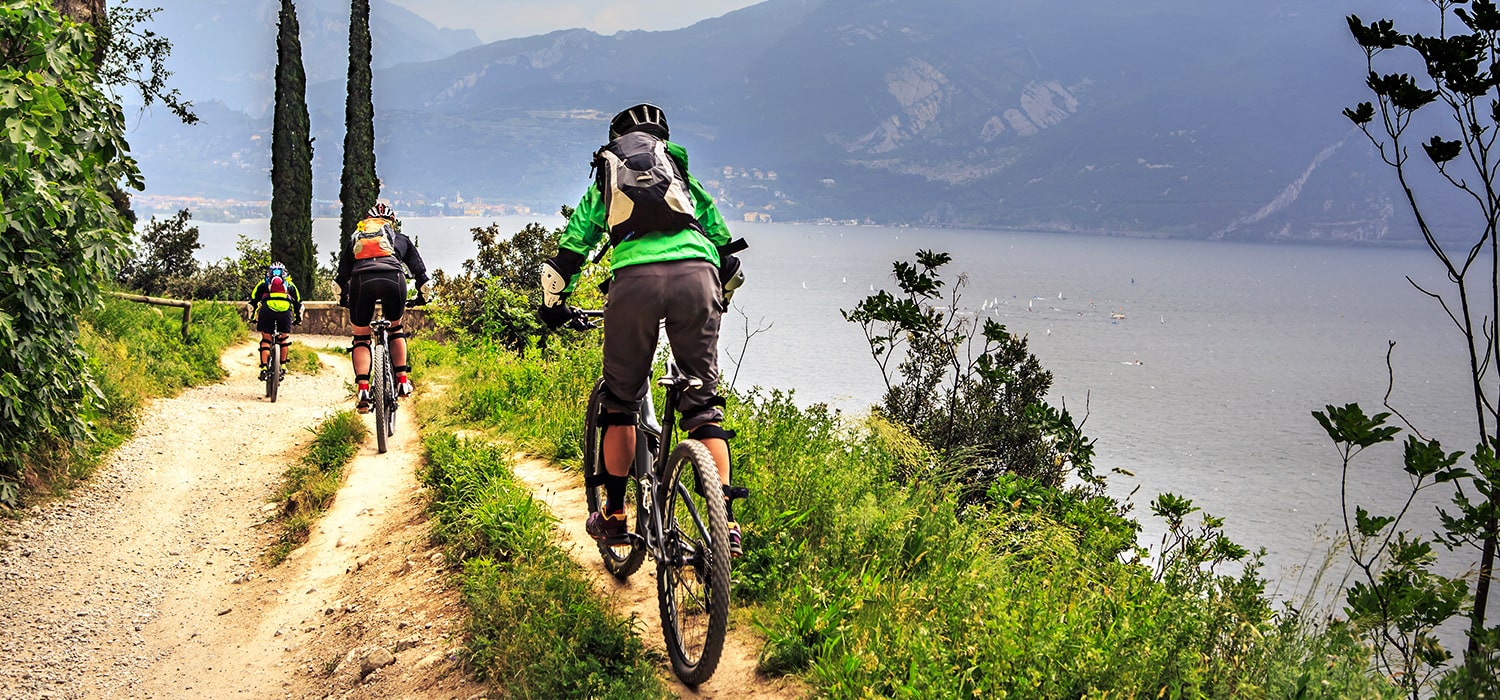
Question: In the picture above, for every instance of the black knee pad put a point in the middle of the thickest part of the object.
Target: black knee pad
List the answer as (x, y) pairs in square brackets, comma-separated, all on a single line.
[(710, 430), (361, 341), (284, 340), (395, 334), (611, 418)]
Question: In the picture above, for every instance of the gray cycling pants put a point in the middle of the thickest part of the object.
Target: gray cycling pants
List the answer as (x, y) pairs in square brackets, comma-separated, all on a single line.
[(685, 293)]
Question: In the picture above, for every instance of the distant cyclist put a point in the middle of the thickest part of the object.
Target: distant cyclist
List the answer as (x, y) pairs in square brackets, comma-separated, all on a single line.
[(374, 269), (274, 301), (672, 260)]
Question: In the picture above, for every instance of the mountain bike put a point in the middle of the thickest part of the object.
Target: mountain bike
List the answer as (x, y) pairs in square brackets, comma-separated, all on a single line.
[(680, 523), (274, 371), (383, 377)]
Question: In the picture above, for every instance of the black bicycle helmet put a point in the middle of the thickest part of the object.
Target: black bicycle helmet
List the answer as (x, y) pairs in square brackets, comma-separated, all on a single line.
[(642, 117)]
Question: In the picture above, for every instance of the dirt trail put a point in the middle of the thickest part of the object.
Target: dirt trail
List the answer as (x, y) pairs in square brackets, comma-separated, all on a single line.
[(149, 582), (736, 676)]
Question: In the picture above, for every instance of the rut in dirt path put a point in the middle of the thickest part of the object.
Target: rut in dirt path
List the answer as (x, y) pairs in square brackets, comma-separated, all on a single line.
[(149, 581), (736, 677)]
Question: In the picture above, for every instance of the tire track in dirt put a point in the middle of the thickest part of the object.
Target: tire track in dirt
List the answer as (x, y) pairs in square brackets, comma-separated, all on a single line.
[(736, 677)]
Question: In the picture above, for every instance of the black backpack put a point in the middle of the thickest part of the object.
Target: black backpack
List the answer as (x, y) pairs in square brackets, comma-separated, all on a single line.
[(644, 188)]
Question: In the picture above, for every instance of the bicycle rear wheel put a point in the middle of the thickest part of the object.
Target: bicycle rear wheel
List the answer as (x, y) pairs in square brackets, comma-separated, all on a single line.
[(620, 560), (378, 390), (273, 380), (693, 573), (390, 393)]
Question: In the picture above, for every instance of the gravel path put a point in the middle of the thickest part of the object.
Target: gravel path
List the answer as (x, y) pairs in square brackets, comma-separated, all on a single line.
[(149, 581)]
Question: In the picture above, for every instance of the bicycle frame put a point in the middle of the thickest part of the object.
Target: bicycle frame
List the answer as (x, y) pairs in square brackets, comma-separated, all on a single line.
[(681, 526), (658, 436), (385, 389)]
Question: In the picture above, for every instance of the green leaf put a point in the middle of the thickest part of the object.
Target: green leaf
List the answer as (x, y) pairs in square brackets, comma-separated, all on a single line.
[(1368, 525)]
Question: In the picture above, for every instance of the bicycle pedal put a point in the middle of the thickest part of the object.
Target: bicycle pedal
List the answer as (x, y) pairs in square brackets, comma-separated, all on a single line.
[(629, 538)]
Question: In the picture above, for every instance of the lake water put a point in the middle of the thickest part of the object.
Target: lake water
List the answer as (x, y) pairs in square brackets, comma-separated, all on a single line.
[(1205, 388)]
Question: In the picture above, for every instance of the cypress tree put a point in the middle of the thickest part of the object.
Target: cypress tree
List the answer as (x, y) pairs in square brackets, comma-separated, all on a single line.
[(291, 158), (358, 188)]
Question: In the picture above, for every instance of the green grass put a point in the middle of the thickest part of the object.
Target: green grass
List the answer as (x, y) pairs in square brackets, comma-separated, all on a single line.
[(866, 581), (311, 484), (136, 353), (535, 627), (303, 359)]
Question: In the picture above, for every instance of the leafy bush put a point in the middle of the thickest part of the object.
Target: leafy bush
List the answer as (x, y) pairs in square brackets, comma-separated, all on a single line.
[(230, 279), (164, 253), (984, 412), (499, 291), (63, 152), (1398, 600)]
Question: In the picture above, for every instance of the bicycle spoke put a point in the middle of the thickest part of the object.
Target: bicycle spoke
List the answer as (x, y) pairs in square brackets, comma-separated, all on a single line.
[(693, 573)]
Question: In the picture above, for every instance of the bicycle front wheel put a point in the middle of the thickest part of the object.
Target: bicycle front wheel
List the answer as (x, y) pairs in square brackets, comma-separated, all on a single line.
[(693, 573), (622, 559), (378, 390)]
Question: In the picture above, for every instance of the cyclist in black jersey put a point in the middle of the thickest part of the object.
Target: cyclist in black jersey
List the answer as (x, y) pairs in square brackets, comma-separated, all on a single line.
[(374, 269)]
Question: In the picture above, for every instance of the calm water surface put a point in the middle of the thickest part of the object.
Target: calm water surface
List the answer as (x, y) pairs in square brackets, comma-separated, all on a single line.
[(1204, 388)]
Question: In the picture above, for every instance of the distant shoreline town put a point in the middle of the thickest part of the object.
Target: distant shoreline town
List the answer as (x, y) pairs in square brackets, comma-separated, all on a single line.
[(749, 194)]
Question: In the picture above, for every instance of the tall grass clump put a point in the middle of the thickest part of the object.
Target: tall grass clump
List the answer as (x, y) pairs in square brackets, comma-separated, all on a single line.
[(537, 403), (311, 484), (874, 588), (536, 628), (135, 353)]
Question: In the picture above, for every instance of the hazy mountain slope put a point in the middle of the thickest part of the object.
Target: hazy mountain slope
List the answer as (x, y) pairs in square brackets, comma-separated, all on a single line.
[(225, 49), (1158, 117)]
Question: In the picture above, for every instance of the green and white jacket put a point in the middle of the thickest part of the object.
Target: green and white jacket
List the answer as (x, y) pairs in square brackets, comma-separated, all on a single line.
[(588, 226)]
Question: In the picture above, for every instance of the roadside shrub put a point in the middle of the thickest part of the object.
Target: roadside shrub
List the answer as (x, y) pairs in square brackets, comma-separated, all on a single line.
[(163, 252), (972, 391), (229, 279), (497, 295), (63, 227)]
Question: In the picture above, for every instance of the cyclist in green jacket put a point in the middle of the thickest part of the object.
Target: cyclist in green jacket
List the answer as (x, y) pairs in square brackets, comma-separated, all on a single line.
[(673, 260), (273, 302)]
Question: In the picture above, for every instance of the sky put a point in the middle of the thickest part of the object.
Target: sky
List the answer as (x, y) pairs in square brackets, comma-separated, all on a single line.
[(493, 20)]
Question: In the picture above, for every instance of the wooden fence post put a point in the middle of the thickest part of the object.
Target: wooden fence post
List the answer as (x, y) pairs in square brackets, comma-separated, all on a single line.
[(186, 306)]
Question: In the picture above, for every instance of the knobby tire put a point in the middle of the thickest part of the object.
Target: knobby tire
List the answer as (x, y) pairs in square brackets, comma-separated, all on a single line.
[(390, 393), (273, 380), (378, 390), (693, 574), (620, 560)]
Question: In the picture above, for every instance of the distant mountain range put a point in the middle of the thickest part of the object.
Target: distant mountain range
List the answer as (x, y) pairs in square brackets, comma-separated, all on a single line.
[(1177, 118)]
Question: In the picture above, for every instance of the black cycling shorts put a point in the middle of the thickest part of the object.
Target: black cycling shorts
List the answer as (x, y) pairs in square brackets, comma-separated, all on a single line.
[(267, 321), (388, 288)]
